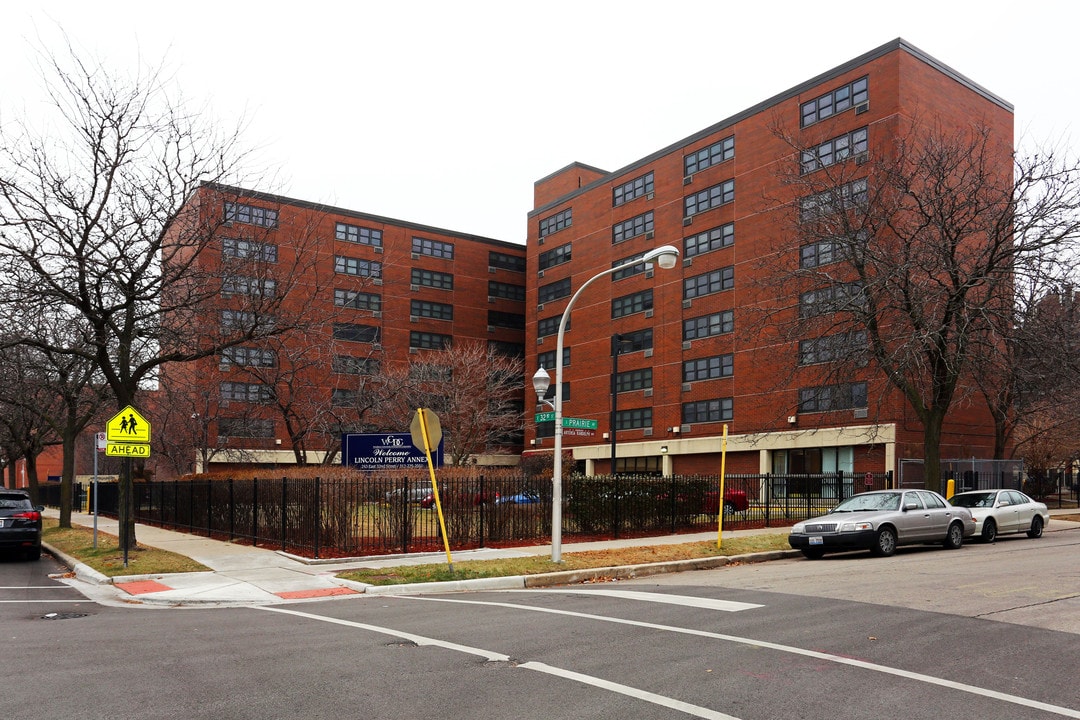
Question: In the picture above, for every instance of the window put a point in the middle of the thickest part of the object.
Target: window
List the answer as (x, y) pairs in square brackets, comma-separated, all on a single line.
[(514, 321), (709, 156), (433, 248), (709, 198), (245, 427), (849, 195), (356, 266), (352, 365), (633, 380), (709, 325), (710, 368), (357, 234), (434, 310), (506, 349), (709, 283), (245, 392), (555, 223), (633, 189), (250, 215), (820, 253), (632, 228), (631, 419), (505, 290), (555, 256), (357, 300), (247, 357), (835, 298), (431, 372), (700, 411), (343, 398), (833, 151), (630, 304), (635, 269), (546, 360), (832, 397), (553, 291), (719, 237), (243, 320), (506, 262), (834, 102), (832, 347), (637, 340), (430, 278), (357, 333), (429, 341), (258, 287), (249, 250), (549, 326)]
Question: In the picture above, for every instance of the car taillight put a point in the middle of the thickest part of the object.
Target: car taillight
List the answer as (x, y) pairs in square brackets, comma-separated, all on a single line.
[(32, 515)]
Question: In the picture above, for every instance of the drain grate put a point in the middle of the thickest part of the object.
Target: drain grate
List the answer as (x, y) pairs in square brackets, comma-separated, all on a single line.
[(63, 616)]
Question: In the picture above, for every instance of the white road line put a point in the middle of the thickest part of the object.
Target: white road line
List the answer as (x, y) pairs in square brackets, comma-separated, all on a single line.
[(23, 602), (693, 710), (684, 600), (36, 587), (839, 659)]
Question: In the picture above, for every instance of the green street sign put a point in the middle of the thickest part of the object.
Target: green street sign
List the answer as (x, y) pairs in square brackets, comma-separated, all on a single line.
[(545, 417), (568, 422)]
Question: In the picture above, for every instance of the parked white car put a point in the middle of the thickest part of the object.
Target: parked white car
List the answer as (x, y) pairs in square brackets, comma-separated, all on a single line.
[(1000, 512)]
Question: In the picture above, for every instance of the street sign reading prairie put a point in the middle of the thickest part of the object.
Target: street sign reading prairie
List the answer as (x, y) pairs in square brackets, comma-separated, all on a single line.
[(567, 422)]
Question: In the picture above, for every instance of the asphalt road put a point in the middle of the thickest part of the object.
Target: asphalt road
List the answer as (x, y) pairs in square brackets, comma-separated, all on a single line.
[(914, 636)]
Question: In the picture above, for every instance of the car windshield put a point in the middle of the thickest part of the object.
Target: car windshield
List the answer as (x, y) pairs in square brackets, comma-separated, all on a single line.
[(14, 502), (870, 502), (973, 500)]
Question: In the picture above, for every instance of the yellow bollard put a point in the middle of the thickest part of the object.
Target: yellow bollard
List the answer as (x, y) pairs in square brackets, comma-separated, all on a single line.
[(950, 489)]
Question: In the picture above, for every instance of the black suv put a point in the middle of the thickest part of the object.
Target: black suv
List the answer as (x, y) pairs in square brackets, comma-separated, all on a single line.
[(20, 523)]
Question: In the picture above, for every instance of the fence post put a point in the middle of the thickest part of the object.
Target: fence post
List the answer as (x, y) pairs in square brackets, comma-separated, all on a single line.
[(840, 485), (232, 510), (284, 498), (483, 499), (405, 516), (768, 496), (318, 515), (255, 512)]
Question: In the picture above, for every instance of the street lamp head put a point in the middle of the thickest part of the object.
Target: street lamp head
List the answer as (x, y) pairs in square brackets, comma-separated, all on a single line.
[(541, 381), (665, 256)]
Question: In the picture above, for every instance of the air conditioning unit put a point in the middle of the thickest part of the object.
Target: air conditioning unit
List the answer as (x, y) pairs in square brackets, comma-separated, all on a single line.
[(687, 221), (648, 196), (688, 179), (414, 288), (648, 392), (648, 432), (686, 303), (650, 235), (378, 249), (539, 273), (414, 318), (792, 419), (415, 256), (648, 352), (861, 108), (686, 345), (492, 270), (861, 158), (686, 387), (491, 328), (860, 412), (648, 313), (675, 429)]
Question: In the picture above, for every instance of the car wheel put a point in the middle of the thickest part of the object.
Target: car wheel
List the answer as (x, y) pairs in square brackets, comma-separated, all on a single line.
[(954, 539), (729, 508), (989, 531), (813, 553), (884, 542), (1036, 527)]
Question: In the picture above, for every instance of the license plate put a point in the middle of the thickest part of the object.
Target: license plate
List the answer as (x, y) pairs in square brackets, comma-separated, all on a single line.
[(816, 540)]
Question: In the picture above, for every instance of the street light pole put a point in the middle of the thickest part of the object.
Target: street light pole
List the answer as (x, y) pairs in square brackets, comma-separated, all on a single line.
[(616, 348), (665, 256)]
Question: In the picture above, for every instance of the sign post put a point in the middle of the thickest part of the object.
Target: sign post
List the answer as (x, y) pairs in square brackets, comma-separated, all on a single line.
[(127, 435), (426, 432)]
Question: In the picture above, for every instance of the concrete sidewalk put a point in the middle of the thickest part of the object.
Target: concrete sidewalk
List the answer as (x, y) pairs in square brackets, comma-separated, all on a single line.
[(246, 575)]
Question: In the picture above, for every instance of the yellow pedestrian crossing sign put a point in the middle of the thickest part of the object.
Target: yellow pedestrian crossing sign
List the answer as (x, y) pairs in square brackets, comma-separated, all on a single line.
[(128, 426)]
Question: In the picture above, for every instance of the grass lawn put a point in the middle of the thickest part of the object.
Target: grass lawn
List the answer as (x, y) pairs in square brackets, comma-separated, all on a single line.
[(108, 559), (472, 569)]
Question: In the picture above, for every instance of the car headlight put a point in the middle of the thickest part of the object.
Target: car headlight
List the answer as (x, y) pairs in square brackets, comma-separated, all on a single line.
[(798, 528), (856, 526)]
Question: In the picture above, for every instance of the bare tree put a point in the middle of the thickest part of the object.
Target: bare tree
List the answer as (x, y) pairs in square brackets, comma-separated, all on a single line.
[(475, 392), (906, 260), (95, 218)]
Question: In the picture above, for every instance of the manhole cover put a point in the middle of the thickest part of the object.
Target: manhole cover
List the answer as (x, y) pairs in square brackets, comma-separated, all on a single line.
[(63, 616)]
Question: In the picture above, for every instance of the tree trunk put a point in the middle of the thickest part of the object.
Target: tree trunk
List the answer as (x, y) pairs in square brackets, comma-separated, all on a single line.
[(67, 480), (932, 450)]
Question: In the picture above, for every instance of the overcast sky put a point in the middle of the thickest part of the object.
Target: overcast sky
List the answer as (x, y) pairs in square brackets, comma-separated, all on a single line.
[(446, 113)]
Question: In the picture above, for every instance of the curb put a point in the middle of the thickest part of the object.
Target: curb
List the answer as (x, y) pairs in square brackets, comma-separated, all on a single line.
[(82, 571)]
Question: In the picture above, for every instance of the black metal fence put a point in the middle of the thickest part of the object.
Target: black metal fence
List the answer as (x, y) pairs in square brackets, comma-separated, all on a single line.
[(326, 518)]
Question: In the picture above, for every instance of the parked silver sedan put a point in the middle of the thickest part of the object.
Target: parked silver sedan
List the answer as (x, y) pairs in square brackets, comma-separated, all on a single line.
[(881, 520), (1000, 512)]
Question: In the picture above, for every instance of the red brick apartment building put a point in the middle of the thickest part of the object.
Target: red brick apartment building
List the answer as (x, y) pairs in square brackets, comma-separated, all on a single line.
[(692, 357), (362, 290)]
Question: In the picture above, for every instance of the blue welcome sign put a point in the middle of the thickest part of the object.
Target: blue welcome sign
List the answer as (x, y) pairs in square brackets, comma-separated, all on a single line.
[(381, 451)]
